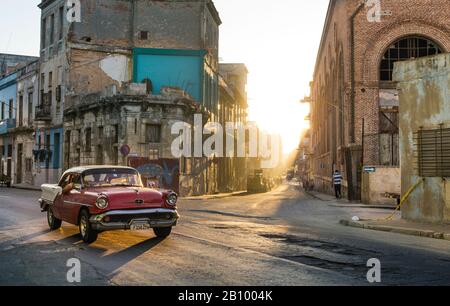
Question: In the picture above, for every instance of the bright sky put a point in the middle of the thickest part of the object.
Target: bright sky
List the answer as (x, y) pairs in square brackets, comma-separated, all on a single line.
[(277, 40)]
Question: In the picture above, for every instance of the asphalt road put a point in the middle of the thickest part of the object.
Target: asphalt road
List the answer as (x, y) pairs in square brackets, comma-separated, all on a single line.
[(281, 238)]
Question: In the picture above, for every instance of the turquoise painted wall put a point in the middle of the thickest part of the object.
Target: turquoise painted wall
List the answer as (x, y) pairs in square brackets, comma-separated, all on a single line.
[(169, 67)]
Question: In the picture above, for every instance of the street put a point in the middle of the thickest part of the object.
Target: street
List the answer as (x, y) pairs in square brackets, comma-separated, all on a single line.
[(285, 237)]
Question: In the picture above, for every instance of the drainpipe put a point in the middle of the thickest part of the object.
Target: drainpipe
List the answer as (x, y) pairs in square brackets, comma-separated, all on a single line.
[(352, 71)]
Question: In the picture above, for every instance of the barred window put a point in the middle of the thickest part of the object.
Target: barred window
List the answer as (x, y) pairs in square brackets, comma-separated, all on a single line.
[(153, 133), (406, 49), (433, 152)]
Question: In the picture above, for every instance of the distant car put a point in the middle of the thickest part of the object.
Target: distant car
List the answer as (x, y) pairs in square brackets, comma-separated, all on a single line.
[(5, 180), (103, 198)]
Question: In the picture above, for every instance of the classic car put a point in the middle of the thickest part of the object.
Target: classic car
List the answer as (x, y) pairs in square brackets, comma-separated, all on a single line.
[(102, 198)]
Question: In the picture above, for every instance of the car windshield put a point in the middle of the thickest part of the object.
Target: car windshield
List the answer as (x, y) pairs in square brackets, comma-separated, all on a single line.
[(112, 177)]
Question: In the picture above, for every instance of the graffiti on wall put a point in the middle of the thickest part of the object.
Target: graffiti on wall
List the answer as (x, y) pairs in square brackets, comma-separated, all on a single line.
[(160, 173)]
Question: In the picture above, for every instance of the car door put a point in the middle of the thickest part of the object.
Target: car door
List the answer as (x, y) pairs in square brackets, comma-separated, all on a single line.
[(72, 201), (58, 204)]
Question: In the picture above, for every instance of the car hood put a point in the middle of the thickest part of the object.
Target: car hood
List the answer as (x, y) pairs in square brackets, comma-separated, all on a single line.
[(131, 197)]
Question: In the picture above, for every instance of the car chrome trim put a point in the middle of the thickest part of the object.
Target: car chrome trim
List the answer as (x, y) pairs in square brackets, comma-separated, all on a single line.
[(138, 211), (76, 203)]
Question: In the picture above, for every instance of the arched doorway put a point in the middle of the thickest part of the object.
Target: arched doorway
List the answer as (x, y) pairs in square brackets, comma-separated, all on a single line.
[(406, 48)]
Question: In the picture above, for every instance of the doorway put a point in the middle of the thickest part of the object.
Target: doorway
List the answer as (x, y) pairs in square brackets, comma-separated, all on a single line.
[(19, 163)]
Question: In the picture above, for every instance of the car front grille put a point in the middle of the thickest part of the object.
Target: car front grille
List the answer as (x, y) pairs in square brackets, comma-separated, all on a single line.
[(151, 217)]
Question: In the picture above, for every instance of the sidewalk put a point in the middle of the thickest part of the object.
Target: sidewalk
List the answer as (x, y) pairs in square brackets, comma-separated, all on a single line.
[(26, 187), (344, 202), (401, 226)]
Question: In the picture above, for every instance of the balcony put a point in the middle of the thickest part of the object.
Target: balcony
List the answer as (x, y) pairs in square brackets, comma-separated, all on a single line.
[(43, 112), (7, 124)]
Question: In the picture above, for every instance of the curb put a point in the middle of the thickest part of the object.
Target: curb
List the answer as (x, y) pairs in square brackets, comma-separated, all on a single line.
[(398, 230), (26, 188)]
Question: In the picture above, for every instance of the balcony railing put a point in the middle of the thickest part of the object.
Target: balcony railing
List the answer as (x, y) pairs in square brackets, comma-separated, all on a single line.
[(43, 112)]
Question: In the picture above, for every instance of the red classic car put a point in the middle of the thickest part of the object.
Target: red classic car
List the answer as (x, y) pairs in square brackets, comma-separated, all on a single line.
[(101, 198)]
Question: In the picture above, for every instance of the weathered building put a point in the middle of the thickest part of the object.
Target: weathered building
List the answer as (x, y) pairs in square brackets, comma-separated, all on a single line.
[(354, 116), (26, 159), (233, 105), (8, 99), (116, 80), (10, 62), (424, 94)]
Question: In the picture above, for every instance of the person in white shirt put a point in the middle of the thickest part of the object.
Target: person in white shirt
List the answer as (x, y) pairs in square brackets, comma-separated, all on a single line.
[(337, 182)]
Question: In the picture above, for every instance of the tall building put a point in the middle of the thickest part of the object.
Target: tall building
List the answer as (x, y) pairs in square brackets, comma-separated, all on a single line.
[(114, 81), (355, 109)]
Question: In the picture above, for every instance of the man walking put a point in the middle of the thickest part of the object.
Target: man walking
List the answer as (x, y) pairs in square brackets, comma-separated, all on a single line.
[(337, 182)]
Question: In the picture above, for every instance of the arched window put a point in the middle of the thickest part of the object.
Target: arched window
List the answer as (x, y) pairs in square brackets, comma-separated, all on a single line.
[(405, 49)]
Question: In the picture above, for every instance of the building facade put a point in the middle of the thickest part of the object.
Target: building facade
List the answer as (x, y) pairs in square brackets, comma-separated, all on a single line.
[(233, 105), (8, 99), (355, 110), (424, 86), (112, 85), (10, 62), (25, 160)]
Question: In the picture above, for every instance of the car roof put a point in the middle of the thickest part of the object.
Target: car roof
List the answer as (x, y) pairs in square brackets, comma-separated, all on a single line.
[(81, 169)]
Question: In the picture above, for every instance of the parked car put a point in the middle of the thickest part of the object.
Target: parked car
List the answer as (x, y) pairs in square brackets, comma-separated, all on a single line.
[(5, 180), (103, 198)]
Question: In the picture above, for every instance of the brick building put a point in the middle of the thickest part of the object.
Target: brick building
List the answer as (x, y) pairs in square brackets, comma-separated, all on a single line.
[(353, 85)]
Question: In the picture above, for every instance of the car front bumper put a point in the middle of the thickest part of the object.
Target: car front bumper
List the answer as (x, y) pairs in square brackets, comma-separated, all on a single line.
[(123, 219)]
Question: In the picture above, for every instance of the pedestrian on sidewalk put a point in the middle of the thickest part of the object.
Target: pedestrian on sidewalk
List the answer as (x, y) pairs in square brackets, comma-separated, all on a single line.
[(337, 182)]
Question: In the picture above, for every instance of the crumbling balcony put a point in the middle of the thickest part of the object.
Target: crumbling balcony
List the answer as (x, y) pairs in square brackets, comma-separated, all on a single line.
[(43, 112)]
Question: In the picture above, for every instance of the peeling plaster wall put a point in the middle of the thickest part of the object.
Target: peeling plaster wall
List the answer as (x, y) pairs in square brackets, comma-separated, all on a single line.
[(116, 67), (424, 93)]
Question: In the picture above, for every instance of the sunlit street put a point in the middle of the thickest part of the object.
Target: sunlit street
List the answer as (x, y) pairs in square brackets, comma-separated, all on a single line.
[(282, 238)]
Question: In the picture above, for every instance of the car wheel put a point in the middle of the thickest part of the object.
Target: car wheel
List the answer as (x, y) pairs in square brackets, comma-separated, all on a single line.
[(87, 233), (162, 232), (53, 222)]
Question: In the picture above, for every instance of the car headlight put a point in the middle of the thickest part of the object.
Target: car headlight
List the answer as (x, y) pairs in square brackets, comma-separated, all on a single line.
[(102, 202), (172, 199)]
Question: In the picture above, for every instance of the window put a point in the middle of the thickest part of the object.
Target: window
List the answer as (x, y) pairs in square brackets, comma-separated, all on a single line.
[(28, 164), (61, 22), (153, 133), (50, 79), (143, 35), (433, 152), (3, 110), (88, 135), (43, 33), (11, 109), (20, 110), (406, 49), (100, 133), (65, 180), (42, 81), (52, 29), (30, 108)]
